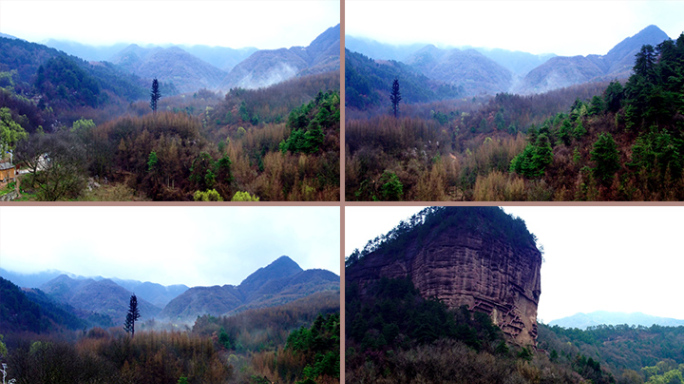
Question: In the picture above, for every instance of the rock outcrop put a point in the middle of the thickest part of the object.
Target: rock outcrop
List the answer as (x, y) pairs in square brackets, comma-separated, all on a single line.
[(475, 256)]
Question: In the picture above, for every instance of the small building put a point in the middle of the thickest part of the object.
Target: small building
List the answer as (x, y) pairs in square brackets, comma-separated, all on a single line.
[(8, 172)]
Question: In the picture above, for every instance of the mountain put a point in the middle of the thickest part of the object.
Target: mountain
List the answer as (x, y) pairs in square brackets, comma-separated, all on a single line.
[(223, 58), (368, 83), (520, 63), (266, 67), (380, 51), (85, 51), (280, 282), (171, 65), (563, 71), (480, 257), (105, 79), (100, 296), (468, 68), (33, 311), (157, 294), (585, 320), (8, 36), (29, 280)]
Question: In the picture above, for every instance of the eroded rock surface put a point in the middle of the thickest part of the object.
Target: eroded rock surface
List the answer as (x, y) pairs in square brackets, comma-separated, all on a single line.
[(467, 265)]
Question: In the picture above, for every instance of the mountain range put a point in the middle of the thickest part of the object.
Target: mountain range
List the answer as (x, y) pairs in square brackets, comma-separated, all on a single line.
[(489, 71), (191, 68), (127, 70), (585, 320), (278, 283), (104, 302)]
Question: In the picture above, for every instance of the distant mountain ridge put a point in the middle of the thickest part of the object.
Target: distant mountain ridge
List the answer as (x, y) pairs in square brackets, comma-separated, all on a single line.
[(585, 320), (490, 71), (105, 301), (563, 71), (469, 69), (172, 65), (100, 296), (280, 282), (266, 67)]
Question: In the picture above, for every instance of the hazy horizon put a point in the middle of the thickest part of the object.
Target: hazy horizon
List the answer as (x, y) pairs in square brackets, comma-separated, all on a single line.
[(617, 259), (234, 24), (195, 246), (565, 28)]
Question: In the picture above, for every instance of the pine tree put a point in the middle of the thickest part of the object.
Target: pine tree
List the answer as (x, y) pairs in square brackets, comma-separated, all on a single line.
[(132, 316), (155, 95), (607, 158), (395, 97)]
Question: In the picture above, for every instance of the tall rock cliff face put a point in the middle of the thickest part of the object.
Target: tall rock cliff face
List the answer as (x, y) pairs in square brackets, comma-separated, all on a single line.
[(468, 261)]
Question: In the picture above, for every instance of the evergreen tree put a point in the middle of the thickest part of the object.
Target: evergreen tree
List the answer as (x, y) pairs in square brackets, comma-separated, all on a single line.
[(395, 97), (607, 158), (132, 316), (155, 95)]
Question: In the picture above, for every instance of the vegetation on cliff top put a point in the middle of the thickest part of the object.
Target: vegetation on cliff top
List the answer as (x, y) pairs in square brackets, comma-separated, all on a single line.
[(491, 222)]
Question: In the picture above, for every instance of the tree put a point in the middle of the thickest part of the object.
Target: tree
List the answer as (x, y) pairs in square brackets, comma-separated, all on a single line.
[(607, 158), (395, 97), (132, 315), (57, 164), (155, 95)]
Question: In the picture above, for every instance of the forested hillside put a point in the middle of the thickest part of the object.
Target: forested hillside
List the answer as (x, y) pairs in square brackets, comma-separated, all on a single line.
[(598, 141)]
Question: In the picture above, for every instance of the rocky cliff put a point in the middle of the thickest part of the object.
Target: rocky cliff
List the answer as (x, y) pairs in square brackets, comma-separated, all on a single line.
[(475, 256)]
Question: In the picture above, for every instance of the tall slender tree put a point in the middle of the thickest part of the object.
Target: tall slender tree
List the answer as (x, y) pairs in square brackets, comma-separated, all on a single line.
[(132, 315), (155, 95), (395, 97)]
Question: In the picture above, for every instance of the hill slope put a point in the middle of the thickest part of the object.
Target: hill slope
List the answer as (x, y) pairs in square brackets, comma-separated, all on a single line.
[(563, 71), (278, 283), (103, 297), (469, 69), (266, 67)]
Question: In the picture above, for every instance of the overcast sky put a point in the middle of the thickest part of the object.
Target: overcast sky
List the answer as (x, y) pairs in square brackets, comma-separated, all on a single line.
[(168, 245), (261, 24), (622, 259), (565, 28)]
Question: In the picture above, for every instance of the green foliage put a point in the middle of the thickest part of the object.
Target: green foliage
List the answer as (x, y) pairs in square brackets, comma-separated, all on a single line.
[(391, 188), (533, 160), (392, 315), (607, 158), (613, 95), (320, 346), (657, 156), (10, 131), (152, 161), (155, 95), (597, 105), (3, 347), (395, 97), (579, 130), (367, 83), (244, 196), (209, 195), (307, 123), (492, 220), (63, 79), (182, 380)]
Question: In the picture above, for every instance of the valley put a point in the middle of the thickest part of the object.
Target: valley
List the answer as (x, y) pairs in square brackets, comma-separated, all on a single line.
[(231, 124), (468, 119), (239, 335)]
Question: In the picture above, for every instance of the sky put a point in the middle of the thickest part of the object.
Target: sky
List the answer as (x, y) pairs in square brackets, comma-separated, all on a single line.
[(236, 24), (565, 28), (196, 246), (620, 259)]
